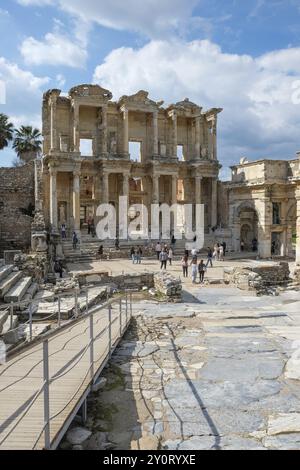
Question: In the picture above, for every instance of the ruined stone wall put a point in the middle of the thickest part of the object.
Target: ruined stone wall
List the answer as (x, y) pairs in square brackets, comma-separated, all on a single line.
[(16, 207)]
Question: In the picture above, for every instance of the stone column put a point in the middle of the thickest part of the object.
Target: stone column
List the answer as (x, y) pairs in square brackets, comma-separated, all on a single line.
[(76, 138), (104, 130), (298, 226), (155, 189), (125, 131), (76, 201), (155, 133), (198, 137), (174, 134), (209, 141), (198, 190), (214, 202), (264, 209), (105, 188), (126, 184), (53, 132), (174, 189), (214, 139), (53, 198)]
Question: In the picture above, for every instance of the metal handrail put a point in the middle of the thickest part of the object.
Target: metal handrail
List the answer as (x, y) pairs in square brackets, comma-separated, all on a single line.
[(48, 381)]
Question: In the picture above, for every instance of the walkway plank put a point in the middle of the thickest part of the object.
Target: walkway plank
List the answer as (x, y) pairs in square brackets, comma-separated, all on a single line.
[(21, 378)]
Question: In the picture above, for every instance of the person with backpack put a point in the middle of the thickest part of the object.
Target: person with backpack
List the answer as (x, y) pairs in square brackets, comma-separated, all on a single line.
[(133, 254), (209, 257), (163, 259)]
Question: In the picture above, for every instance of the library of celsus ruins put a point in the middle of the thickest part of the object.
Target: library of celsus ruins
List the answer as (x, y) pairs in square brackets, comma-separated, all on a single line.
[(96, 150)]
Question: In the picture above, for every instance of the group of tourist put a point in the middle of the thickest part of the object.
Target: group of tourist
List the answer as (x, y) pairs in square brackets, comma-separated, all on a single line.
[(136, 254), (164, 254)]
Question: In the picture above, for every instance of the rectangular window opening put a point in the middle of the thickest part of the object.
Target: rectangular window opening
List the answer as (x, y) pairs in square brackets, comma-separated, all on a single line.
[(180, 154), (135, 151), (86, 147)]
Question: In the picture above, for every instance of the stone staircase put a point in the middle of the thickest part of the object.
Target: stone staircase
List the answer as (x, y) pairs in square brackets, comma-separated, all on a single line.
[(13, 285), (88, 247)]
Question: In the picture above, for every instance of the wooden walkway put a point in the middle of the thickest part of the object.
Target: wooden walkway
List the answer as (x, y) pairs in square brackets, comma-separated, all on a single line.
[(28, 419)]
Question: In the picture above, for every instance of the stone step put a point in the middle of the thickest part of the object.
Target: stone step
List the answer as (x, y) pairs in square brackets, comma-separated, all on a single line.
[(9, 282), (5, 271), (17, 292), (3, 317), (7, 326)]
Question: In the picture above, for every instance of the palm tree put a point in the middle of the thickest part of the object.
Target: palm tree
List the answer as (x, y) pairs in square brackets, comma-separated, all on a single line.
[(6, 131), (27, 143)]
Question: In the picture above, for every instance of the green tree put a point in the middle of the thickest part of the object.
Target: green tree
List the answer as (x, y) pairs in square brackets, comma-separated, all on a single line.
[(6, 131), (27, 143)]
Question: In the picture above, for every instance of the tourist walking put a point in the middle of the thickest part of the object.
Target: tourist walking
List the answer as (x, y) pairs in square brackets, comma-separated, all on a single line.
[(63, 231), (139, 255), (201, 270), (221, 253), (209, 257), (194, 264), (89, 223), (158, 250), (93, 229), (74, 240), (242, 245), (224, 248), (185, 265), (58, 268), (170, 256), (163, 259), (216, 252), (132, 254)]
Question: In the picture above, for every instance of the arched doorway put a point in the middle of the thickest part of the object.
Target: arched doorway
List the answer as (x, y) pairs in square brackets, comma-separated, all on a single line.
[(248, 227)]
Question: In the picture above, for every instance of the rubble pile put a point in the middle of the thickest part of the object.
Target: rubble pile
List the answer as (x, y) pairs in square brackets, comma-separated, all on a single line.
[(264, 278), (168, 285), (35, 265)]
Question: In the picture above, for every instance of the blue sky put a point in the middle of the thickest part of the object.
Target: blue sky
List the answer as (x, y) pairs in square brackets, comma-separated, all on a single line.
[(241, 55)]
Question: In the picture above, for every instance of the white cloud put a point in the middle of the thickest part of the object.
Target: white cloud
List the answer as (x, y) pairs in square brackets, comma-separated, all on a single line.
[(54, 49), (23, 99), (256, 93), (149, 17)]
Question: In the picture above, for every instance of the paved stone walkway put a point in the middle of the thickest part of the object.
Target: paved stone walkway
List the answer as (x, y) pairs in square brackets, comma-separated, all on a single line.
[(219, 371)]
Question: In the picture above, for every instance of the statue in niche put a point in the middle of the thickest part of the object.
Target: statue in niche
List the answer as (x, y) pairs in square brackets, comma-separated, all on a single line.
[(62, 213), (203, 152)]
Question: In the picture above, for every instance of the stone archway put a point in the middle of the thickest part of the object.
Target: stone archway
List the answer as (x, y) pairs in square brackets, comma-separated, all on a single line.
[(248, 223)]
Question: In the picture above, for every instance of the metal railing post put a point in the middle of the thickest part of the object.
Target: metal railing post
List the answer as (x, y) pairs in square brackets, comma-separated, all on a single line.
[(126, 306), (59, 311), (120, 311), (87, 300), (76, 303), (46, 394), (109, 330), (11, 315), (30, 322), (130, 304), (92, 346)]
